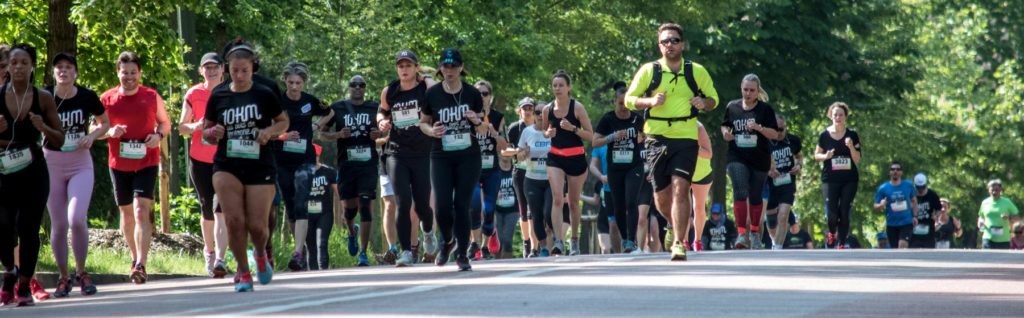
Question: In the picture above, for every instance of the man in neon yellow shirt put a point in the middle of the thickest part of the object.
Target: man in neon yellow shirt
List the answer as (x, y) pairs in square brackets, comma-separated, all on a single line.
[(995, 216), (671, 126)]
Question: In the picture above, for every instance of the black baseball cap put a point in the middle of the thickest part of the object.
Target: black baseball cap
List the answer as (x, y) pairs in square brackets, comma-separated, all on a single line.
[(211, 58), (407, 55), (450, 56), (64, 56)]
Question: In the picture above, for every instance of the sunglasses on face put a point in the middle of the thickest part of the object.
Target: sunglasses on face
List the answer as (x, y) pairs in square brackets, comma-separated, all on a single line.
[(357, 85), (670, 41), (895, 169)]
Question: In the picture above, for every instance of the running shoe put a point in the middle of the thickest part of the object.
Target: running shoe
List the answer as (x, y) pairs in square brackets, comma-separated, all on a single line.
[(493, 245), (220, 269), (6, 298), (474, 250), (698, 246), (755, 241), (544, 252), (353, 244), (23, 294), (37, 290), (741, 242), (415, 253), (210, 258), (429, 246), (298, 262), (678, 252), (85, 284), (574, 247), (264, 271), (686, 244), (776, 247), (405, 260), (139, 274), (463, 263), (830, 240), (243, 282), (391, 255), (528, 249), (636, 252), (628, 246), (842, 246), (363, 259), (63, 288), (7, 291), (444, 253), (557, 248)]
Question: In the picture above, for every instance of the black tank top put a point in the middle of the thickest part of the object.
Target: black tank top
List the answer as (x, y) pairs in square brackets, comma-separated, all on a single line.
[(20, 132), (564, 138), (409, 140), (945, 232)]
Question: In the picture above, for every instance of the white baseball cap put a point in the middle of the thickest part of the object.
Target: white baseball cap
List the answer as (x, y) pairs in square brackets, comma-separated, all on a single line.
[(920, 180)]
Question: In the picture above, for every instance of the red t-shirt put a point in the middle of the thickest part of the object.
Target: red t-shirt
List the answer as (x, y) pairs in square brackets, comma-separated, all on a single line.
[(138, 114), (197, 96)]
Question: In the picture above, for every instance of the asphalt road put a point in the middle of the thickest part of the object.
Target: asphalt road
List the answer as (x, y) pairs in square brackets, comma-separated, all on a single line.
[(866, 283)]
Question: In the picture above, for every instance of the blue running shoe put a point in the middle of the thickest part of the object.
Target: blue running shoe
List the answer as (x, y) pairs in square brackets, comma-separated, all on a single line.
[(363, 260), (266, 273), (544, 252), (353, 245), (243, 282)]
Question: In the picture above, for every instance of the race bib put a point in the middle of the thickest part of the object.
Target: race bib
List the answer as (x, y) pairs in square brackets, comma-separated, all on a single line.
[(746, 141), (486, 161), (622, 156), (359, 154), (133, 150), (996, 230), (899, 206), (782, 179), (717, 246), (455, 142), (71, 141), (12, 161), (539, 166), (297, 146), (921, 229), (841, 163), (506, 199), (407, 117), (315, 206), (245, 149)]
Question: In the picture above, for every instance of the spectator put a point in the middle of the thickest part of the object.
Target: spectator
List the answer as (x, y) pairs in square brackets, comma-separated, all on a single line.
[(719, 232)]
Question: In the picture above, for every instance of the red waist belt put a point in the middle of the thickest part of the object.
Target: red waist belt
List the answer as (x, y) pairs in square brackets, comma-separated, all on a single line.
[(568, 152)]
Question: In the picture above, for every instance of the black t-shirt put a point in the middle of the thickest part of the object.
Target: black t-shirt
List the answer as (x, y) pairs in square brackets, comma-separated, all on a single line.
[(784, 152), (321, 195), (488, 145), (928, 207), (359, 150), (243, 115), (74, 116), (719, 237), (448, 109), (300, 119), (623, 154), (515, 130), (750, 147), (841, 167), (798, 241), (506, 202), (405, 138)]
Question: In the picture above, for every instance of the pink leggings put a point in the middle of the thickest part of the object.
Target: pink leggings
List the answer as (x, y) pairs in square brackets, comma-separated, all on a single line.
[(71, 185)]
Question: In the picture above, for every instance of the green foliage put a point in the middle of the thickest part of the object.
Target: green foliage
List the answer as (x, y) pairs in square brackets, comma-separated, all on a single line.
[(186, 215)]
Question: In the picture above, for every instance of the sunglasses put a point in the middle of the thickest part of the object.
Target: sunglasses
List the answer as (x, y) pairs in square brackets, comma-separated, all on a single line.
[(895, 169), (670, 41), (357, 85), (485, 94)]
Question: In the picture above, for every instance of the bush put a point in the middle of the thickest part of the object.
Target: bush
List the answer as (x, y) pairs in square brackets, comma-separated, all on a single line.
[(185, 213)]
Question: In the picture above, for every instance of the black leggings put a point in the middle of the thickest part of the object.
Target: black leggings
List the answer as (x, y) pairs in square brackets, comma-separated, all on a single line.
[(320, 225), (624, 206), (23, 196), (410, 178), (202, 179), (603, 219), (365, 209), (453, 178), (538, 196), (838, 199), (519, 185)]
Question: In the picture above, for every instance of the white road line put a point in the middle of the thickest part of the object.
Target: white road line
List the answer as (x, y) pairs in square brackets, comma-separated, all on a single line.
[(258, 302)]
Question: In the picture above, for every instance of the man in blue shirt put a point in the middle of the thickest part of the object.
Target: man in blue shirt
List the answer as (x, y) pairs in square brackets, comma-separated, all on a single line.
[(899, 199)]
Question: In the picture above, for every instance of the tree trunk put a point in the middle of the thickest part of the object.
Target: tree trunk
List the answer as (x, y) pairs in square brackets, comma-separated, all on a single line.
[(62, 36), (164, 175)]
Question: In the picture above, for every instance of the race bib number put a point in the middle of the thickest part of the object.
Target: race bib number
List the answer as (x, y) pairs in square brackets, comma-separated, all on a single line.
[(407, 117), (841, 163), (455, 142), (245, 149), (899, 206), (746, 141), (71, 141), (297, 146), (921, 229), (717, 246), (12, 161), (133, 150), (315, 206), (539, 166), (506, 199), (486, 161), (782, 179), (996, 230), (622, 156), (360, 154)]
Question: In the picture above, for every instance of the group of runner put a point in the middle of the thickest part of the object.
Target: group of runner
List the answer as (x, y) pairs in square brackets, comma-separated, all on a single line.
[(448, 165)]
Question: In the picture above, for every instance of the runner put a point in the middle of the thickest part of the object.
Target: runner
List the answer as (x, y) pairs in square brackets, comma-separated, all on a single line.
[(506, 209), (452, 114), (490, 176), (389, 207), (947, 226), (897, 197), (296, 159), (533, 150), (796, 237), (782, 186), (621, 129), (928, 207), (321, 214), (838, 149), (525, 109), (357, 160), (215, 235), (606, 218), (408, 150), (646, 211), (246, 115), (568, 125), (71, 172), (995, 216), (671, 108), (138, 122), (24, 182), (701, 187), (719, 232)]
